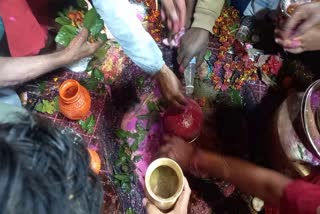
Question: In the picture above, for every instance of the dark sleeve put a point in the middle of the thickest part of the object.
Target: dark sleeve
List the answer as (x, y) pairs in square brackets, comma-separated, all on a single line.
[(300, 197)]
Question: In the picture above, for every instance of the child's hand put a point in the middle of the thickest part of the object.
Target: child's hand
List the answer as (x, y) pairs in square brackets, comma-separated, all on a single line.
[(181, 206), (179, 150)]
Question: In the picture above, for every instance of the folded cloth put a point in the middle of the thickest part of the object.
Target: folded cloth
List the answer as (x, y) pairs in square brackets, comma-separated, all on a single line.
[(24, 33)]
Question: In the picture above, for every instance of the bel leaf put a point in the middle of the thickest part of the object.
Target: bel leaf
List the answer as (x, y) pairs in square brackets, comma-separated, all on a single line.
[(90, 83), (98, 74), (208, 55), (66, 34), (82, 4), (93, 22), (130, 211), (88, 124), (103, 37), (46, 106), (63, 20)]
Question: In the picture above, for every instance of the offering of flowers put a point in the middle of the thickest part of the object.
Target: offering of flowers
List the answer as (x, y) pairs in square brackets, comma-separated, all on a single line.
[(73, 19), (231, 70)]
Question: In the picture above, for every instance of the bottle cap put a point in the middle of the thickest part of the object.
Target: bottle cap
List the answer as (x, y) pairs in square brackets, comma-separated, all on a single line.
[(193, 60)]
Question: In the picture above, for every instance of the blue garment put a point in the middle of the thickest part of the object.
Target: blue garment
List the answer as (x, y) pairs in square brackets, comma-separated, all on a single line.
[(241, 5), (124, 25), (255, 7), (1, 29)]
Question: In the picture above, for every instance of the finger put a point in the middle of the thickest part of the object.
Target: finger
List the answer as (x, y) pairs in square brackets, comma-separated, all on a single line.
[(163, 15), (181, 99), (295, 50), (97, 44), (151, 209), (186, 60), (293, 22), (182, 11), (200, 57), (306, 25), (179, 107), (80, 38), (170, 10), (169, 24), (183, 201)]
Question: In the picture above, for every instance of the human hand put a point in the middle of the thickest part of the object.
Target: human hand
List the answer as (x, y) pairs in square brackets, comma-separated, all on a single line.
[(171, 87), (79, 47), (181, 206), (303, 19), (308, 41), (178, 150), (193, 43), (173, 12)]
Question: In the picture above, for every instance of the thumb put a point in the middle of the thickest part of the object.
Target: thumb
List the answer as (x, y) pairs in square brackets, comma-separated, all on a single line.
[(150, 208)]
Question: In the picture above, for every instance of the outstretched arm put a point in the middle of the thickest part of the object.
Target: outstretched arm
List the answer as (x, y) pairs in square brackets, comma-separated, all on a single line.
[(264, 183), (16, 70)]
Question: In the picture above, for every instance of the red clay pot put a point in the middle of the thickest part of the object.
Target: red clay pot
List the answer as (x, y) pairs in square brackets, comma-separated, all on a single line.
[(74, 100), (186, 124)]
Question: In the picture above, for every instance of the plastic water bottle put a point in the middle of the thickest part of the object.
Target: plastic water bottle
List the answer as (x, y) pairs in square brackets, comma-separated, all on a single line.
[(246, 26), (189, 76)]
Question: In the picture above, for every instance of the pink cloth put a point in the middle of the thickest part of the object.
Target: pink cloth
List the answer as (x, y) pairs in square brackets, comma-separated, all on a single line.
[(175, 42)]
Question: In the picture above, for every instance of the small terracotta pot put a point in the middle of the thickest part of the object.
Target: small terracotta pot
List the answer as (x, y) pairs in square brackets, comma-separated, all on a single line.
[(74, 100)]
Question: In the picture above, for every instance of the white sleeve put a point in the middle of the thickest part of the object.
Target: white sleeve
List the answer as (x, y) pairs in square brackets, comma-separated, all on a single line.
[(124, 25)]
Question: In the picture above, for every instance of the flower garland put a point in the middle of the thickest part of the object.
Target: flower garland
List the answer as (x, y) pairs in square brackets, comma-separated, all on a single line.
[(154, 20), (231, 71)]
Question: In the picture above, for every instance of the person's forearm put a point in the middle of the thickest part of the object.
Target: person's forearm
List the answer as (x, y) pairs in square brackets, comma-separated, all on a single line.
[(124, 25), (16, 70), (261, 182)]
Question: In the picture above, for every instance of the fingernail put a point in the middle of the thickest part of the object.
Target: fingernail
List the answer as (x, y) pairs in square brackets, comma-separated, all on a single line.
[(181, 69), (295, 43)]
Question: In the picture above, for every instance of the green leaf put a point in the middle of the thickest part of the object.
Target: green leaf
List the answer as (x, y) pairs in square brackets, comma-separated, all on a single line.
[(137, 158), (42, 87), (300, 151), (56, 103), (98, 75), (66, 34), (63, 20), (123, 178), (153, 107), (208, 55), (130, 211), (93, 22), (236, 97), (46, 106), (100, 54), (90, 83), (125, 168), (135, 145), (122, 134), (143, 116), (140, 81), (103, 37), (88, 124), (82, 4)]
